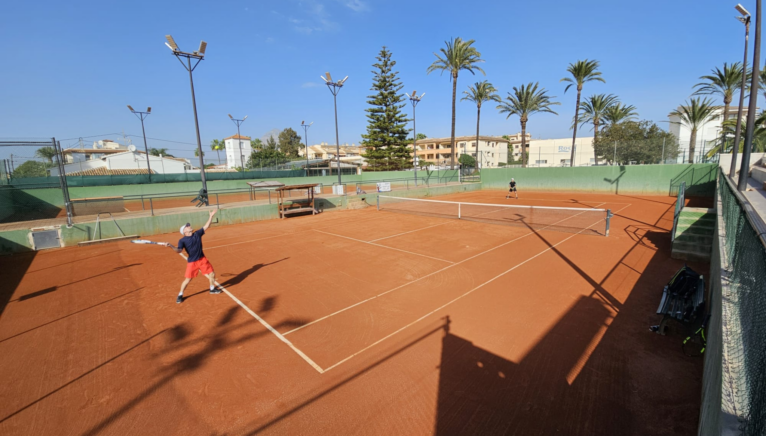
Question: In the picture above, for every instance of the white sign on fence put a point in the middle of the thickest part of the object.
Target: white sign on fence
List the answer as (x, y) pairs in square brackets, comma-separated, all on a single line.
[(384, 186)]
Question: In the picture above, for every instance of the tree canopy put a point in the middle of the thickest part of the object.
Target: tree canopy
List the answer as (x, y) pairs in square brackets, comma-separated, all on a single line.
[(386, 137), (30, 168), (289, 142), (640, 142)]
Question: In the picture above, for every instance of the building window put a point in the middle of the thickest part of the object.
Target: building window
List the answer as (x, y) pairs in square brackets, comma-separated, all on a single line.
[(544, 161), (564, 161)]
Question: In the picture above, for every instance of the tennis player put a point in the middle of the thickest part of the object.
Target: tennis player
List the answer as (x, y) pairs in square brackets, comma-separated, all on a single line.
[(196, 261), (512, 189)]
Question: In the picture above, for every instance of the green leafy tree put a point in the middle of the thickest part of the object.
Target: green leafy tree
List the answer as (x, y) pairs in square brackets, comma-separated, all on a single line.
[(632, 141), (619, 112), (267, 156), (218, 145), (467, 160), (271, 144), (30, 168), (694, 114), (386, 138), (256, 144), (196, 153), (759, 137), (458, 55), (47, 153), (289, 142), (525, 101), (582, 72), (593, 112), (478, 94)]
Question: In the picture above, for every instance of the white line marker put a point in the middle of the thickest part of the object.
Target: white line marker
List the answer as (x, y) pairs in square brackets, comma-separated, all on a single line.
[(268, 326), (383, 246), (459, 297), (411, 231), (425, 276)]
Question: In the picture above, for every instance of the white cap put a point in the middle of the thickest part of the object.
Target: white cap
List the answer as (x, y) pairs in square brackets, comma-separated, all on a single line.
[(183, 227)]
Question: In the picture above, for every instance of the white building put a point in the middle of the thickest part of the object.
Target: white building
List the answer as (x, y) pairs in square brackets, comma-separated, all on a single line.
[(707, 133), (128, 162), (238, 151), (558, 152)]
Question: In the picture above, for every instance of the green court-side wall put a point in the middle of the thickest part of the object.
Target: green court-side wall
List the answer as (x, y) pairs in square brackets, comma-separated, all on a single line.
[(19, 240), (631, 179), (52, 197)]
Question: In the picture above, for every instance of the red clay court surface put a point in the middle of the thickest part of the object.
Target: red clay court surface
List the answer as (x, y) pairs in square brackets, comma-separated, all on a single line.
[(355, 322)]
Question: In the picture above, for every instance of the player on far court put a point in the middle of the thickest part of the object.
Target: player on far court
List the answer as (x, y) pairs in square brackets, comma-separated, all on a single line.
[(512, 189), (196, 262)]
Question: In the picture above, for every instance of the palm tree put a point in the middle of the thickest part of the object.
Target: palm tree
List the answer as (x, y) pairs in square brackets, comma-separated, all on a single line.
[(217, 146), (694, 114), (582, 72), (459, 55), (618, 112), (524, 102), (196, 153), (594, 112), (160, 152), (722, 82), (479, 93), (761, 79), (46, 153)]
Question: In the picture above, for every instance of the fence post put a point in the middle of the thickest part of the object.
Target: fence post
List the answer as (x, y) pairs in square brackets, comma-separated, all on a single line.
[(608, 219), (151, 206)]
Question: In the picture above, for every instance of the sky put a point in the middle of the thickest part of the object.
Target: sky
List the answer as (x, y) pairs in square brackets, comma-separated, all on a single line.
[(70, 68)]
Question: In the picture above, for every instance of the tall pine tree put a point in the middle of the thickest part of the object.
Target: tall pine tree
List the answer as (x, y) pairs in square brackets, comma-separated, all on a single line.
[(386, 138)]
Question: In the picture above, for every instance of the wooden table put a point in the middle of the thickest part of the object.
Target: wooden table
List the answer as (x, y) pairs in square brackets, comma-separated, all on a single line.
[(296, 205)]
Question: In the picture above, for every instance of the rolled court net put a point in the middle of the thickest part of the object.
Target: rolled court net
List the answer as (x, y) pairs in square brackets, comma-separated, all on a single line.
[(563, 219)]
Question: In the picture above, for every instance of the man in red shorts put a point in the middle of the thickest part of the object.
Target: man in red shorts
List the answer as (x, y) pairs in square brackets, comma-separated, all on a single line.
[(196, 261)]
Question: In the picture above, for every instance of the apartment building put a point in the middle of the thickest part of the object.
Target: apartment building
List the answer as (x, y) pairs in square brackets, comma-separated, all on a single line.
[(490, 152)]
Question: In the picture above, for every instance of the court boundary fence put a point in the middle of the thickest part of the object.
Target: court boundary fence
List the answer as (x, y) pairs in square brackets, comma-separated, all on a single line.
[(734, 379), (679, 205)]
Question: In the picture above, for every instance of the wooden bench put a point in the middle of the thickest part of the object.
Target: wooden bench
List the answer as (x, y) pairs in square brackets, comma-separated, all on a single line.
[(682, 299)]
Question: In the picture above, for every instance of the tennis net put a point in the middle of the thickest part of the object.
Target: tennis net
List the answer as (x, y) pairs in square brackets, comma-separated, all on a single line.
[(563, 219)]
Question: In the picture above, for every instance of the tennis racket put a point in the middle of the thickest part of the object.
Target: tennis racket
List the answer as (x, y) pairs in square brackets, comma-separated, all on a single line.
[(146, 241)]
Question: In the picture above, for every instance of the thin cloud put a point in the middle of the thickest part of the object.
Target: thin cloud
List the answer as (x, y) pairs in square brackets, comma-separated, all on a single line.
[(356, 5), (310, 85), (316, 18)]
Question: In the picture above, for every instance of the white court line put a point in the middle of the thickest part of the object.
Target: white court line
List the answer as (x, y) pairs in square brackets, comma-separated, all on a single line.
[(411, 231), (269, 327), (459, 297), (426, 276), (384, 246)]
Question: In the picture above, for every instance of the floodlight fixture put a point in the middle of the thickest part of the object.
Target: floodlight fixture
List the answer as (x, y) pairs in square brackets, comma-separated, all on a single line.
[(344, 79), (231, 116), (171, 43), (334, 88), (243, 119), (202, 48), (323, 79), (329, 78), (741, 9), (142, 116)]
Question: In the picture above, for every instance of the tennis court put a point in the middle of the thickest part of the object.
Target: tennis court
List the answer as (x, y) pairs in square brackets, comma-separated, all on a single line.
[(395, 321)]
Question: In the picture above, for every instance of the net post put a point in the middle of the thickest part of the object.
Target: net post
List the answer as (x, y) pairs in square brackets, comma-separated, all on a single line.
[(458, 210), (608, 219), (377, 200)]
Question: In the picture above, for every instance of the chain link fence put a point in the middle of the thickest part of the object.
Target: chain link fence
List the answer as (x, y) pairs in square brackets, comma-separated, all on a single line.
[(735, 369)]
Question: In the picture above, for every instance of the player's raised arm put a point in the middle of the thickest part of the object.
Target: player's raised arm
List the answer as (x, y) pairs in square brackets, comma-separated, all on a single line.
[(209, 220)]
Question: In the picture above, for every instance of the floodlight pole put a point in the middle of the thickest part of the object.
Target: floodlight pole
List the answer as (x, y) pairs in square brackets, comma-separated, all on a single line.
[(306, 137), (415, 100), (141, 116), (198, 56), (735, 148), (744, 168), (334, 88), (241, 156)]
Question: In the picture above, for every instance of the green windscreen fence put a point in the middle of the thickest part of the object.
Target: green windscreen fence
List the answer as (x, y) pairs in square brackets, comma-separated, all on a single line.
[(742, 310)]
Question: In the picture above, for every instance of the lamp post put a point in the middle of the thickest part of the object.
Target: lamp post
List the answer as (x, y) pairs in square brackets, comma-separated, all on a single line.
[(142, 116), (334, 88), (745, 19), (198, 56), (306, 137), (415, 100), (743, 169), (239, 137)]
